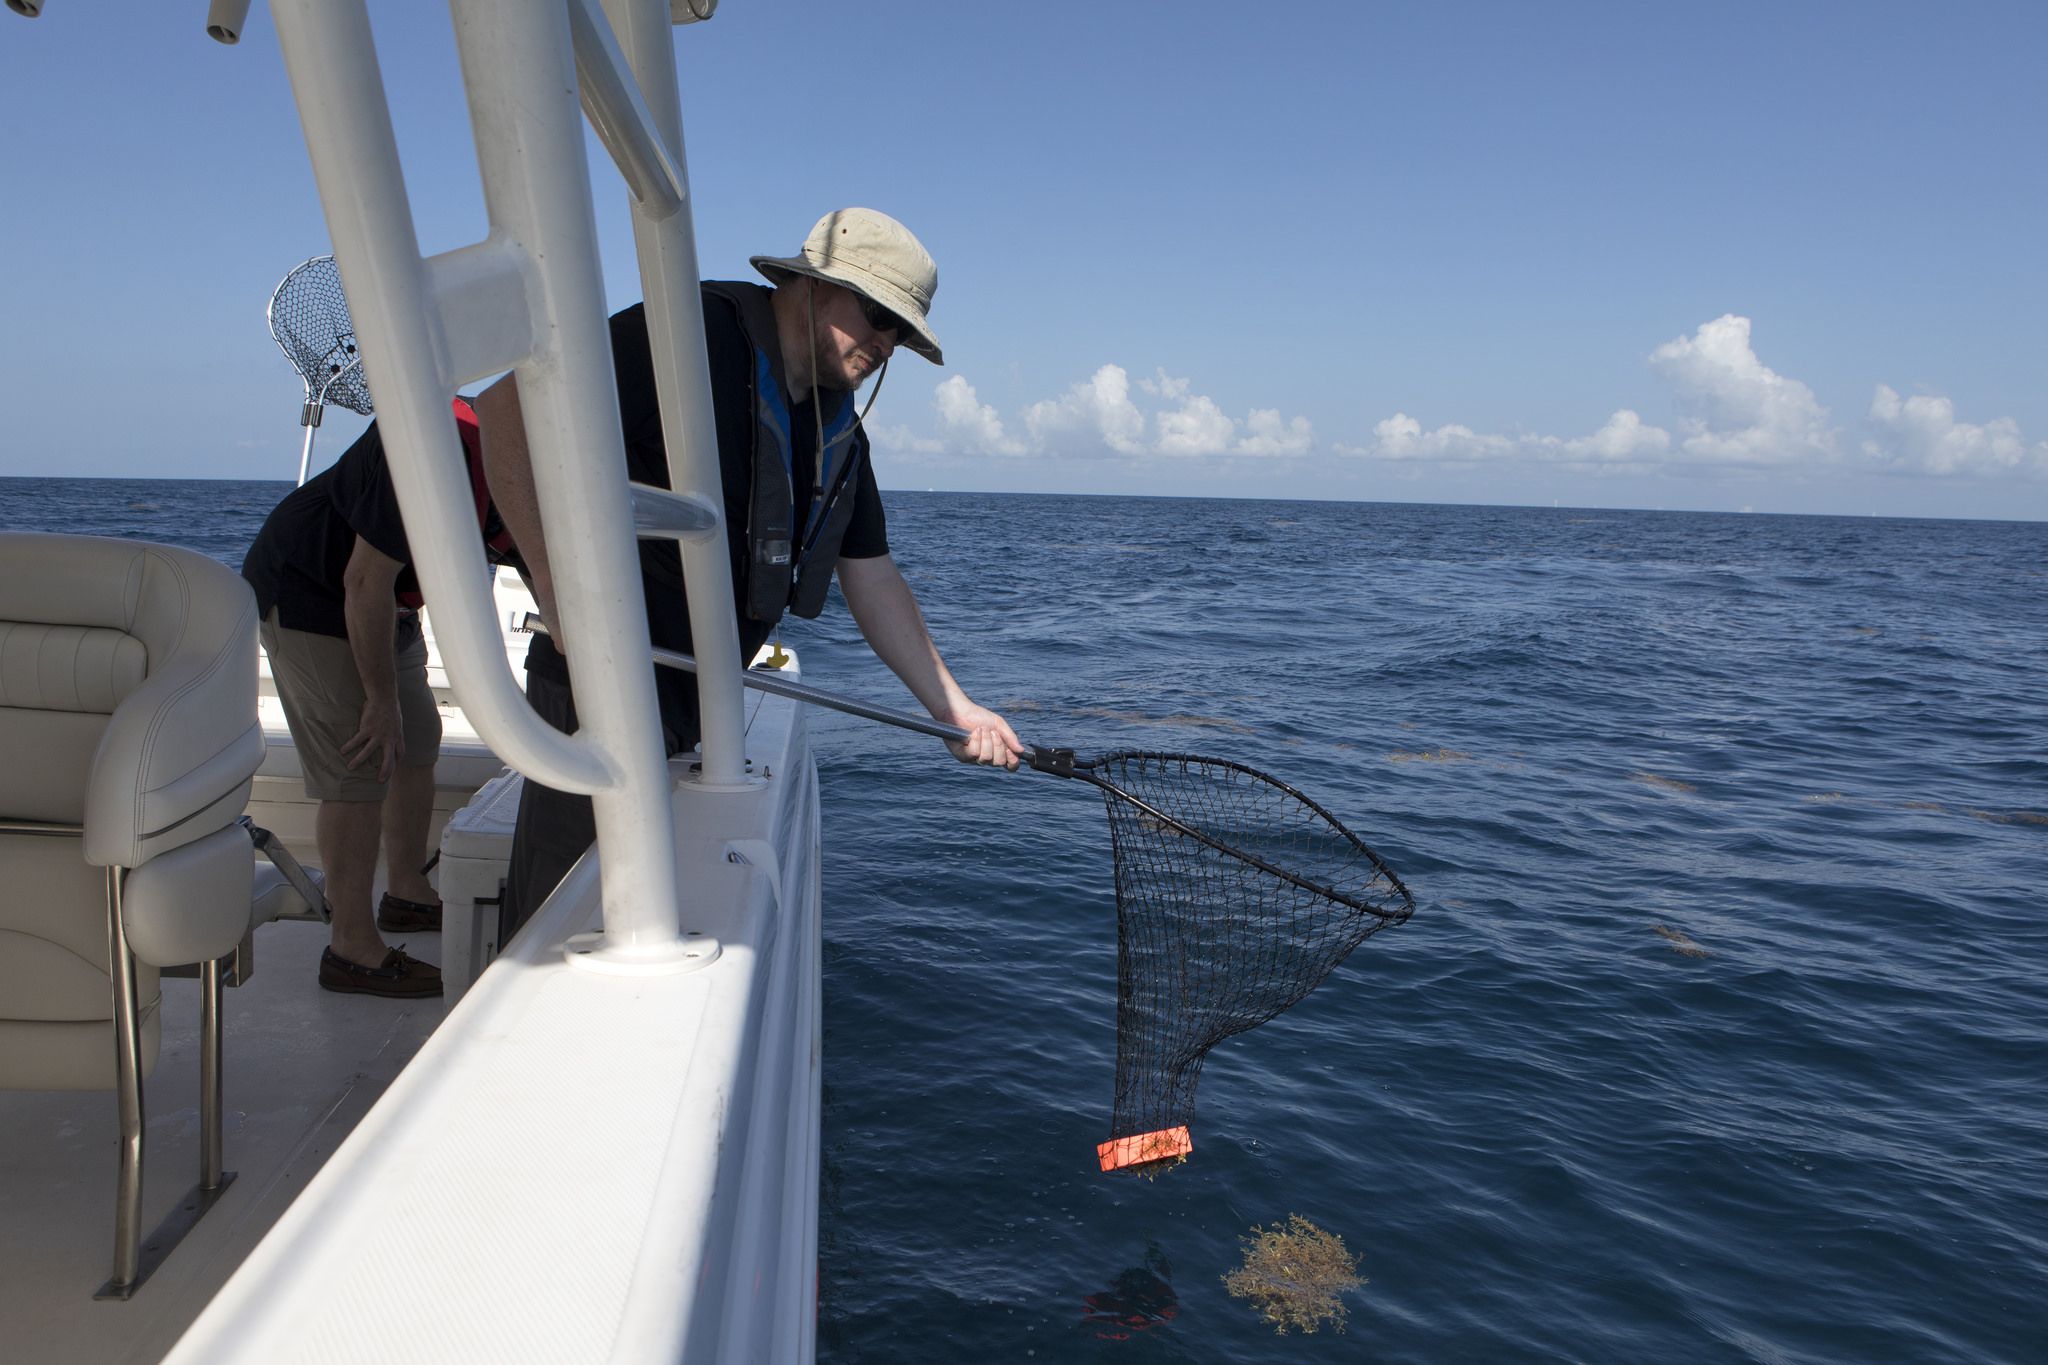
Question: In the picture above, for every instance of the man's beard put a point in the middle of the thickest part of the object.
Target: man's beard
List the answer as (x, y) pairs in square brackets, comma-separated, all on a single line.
[(834, 378)]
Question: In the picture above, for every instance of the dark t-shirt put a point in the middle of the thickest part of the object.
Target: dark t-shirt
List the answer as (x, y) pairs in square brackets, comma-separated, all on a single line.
[(297, 560), (732, 370)]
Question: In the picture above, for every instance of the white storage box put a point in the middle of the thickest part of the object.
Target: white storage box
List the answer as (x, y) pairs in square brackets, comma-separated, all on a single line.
[(476, 848)]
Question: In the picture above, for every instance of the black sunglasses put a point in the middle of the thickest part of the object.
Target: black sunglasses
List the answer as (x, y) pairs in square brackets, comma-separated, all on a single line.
[(882, 320)]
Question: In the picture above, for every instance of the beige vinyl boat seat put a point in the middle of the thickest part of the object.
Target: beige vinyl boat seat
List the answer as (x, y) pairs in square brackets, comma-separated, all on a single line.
[(128, 738)]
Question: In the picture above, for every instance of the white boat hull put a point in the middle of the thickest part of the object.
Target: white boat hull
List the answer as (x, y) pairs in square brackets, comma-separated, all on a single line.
[(577, 1168)]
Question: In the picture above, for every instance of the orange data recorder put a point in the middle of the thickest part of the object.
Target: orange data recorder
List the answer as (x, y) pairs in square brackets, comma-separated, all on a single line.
[(1165, 1145)]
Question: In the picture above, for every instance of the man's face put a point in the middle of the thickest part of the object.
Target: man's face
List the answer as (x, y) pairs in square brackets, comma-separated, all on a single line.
[(849, 350)]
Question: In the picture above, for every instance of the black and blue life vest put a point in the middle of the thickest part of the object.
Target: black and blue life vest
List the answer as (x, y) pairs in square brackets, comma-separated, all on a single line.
[(789, 568)]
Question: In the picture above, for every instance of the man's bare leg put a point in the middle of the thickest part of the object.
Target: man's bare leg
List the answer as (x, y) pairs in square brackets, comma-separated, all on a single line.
[(408, 810), (348, 833)]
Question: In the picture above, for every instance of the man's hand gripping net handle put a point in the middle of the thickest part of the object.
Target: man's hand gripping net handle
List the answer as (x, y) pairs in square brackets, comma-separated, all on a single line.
[(1058, 761)]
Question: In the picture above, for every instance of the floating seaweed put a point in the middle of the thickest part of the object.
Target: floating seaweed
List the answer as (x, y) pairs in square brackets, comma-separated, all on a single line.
[(1680, 943), (1294, 1276)]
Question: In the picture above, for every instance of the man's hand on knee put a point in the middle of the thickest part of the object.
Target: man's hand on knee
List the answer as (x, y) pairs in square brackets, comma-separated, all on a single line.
[(379, 733)]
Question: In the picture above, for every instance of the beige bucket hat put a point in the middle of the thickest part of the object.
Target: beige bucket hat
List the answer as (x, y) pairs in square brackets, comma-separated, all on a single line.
[(876, 257)]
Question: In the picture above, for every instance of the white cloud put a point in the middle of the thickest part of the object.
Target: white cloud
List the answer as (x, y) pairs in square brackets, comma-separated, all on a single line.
[(1401, 437), (1625, 440), (1266, 434), (971, 423), (1735, 416), (1737, 410), (1920, 435), (1198, 428), (1098, 416), (1623, 444), (1099, 408), (902, 438), (1165, 385)]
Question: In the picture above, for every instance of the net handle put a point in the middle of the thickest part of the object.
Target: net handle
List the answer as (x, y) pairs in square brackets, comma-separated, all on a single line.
[(779, 686), (1060, 763)]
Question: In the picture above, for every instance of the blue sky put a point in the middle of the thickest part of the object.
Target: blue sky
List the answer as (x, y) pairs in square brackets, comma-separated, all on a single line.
[(1784, 257)]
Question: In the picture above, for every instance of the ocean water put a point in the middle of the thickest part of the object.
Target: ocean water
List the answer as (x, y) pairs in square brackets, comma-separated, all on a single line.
[(1720, 1032), (217, 517)]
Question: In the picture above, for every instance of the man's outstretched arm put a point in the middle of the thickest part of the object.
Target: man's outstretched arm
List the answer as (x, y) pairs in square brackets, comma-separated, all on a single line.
[(886, 610)]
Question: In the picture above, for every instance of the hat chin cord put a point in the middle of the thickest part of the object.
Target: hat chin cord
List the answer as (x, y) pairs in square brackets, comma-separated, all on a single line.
[(817, 408), (876, 391)]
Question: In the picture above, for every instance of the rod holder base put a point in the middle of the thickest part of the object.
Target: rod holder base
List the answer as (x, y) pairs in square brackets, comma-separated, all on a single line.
[(587, 952), (686, 773)]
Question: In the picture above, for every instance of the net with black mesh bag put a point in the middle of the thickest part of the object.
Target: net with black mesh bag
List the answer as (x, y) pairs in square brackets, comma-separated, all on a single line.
[(310, 321), (1236, 896)]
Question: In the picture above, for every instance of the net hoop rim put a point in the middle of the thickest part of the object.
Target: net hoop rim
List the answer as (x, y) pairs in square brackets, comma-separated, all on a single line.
[(1386, 917), (315, 392), (276, 328)]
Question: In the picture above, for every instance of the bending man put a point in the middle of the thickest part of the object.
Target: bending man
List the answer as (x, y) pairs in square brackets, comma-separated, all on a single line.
[(334, 581), (784, 363)]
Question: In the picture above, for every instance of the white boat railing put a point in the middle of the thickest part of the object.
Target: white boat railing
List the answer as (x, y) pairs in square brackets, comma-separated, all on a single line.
[(530, 298)]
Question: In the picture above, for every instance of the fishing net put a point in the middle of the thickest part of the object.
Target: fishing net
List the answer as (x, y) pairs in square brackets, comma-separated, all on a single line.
[(309, 317), (1236, 896)]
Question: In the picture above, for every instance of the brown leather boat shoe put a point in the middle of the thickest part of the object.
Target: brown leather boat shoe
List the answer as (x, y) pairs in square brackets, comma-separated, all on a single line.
[(397, 975), (396, 915)]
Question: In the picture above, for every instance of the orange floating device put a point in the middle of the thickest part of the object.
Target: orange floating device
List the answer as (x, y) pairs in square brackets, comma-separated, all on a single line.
[(1167, 1144)]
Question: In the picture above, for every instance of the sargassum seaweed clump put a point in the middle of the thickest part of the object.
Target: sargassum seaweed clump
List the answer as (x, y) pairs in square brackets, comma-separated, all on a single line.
[(1294, 1275)]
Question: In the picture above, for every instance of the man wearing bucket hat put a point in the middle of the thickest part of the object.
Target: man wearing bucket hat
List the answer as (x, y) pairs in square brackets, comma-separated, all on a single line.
[(801, 504)]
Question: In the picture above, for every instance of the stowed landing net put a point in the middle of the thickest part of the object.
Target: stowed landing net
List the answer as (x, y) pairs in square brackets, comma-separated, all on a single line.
[(1236, 896), (309, 318)]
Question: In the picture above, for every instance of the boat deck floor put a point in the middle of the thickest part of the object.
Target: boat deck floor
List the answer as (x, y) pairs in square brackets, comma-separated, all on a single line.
[(302, 1066)]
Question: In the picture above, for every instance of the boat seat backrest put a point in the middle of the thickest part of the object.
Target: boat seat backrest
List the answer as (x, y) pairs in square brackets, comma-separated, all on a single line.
[(58, 686), (127, 713), (68, 668), (176, 748)]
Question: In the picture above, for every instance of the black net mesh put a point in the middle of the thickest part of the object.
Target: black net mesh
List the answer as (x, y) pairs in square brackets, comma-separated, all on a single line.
[(1236, 896), (309, 317)]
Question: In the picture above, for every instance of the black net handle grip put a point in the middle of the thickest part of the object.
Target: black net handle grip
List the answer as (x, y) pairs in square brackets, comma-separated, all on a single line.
[(1059, 761)]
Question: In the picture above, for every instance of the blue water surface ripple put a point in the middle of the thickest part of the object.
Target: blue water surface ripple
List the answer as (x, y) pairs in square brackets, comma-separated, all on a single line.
[(1719, 1033)]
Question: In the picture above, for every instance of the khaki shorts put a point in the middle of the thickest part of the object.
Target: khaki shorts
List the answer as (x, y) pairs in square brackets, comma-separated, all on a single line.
[(323, 703)]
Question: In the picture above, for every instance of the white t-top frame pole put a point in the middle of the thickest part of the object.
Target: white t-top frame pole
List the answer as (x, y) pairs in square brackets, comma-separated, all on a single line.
[(529, 298), (666, 240)]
